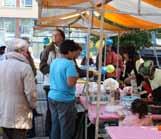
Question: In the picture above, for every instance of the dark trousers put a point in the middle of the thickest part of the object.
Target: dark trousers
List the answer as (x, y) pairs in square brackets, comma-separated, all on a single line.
[(63, 116), (157, 96), (11, 133), (48, 114)]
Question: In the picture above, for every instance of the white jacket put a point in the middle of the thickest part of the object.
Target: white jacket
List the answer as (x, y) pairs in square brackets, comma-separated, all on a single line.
[(17, 92)]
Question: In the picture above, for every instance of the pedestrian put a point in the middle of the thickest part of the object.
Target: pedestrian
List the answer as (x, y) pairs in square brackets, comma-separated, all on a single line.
[(17, 91), (63, 78), (49, 53)]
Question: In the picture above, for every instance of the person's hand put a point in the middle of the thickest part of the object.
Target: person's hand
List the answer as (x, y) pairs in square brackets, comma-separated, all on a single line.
[(91, 73), (128, 79), (132, 77), (94, 73), (150, 97)]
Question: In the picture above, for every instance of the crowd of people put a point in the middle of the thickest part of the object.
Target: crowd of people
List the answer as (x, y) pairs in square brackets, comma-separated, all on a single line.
[(61, 72)]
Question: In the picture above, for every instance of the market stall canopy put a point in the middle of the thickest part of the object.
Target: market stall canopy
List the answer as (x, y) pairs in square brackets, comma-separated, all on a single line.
[(62, 3), (156, 3), (119, 15), (74, 19), (131, 21)]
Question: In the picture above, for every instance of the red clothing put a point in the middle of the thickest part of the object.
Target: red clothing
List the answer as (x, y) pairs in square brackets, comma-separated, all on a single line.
[(146, 86), (113, 58)]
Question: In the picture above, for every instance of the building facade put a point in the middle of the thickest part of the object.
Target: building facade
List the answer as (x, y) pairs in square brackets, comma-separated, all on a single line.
[(17, 18)]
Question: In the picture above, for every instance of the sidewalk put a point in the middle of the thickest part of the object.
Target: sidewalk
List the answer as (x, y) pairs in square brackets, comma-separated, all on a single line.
[(33, 138), (39, 138)]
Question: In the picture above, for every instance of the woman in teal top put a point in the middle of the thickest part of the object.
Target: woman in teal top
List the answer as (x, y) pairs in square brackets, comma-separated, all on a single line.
[(63, 77)]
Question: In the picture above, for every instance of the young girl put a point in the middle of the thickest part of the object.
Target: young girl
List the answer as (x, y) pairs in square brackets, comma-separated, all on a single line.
[(138, 117)]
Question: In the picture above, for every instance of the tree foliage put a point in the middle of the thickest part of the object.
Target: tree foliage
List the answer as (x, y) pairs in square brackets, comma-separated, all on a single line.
[(137, 40)]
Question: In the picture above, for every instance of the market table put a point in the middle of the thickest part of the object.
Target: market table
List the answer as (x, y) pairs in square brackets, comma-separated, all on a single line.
[(120, 132), (110, 118), (104, 115)]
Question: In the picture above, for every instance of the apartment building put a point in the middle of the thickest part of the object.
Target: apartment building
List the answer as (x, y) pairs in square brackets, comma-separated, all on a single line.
[(17, 18)]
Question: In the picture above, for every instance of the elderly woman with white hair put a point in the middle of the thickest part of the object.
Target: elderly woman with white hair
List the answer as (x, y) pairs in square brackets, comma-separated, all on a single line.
[(17, 91)]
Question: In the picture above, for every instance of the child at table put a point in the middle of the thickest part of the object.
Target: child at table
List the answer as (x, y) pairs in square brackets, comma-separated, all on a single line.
[(138, 116)]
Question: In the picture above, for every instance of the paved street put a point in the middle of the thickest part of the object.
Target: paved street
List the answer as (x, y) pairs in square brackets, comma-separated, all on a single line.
[(40, 138), (35, 138)]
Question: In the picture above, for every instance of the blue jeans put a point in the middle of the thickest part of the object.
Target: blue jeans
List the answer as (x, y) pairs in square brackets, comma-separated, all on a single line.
[(63, 116)]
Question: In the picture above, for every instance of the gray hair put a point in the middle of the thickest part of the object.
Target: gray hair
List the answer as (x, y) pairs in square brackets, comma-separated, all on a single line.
[(16, 44)]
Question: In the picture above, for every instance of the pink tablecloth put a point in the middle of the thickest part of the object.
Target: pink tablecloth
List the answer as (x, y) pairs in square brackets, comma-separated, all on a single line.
[(133, 132), (79, 89), (104, 115)]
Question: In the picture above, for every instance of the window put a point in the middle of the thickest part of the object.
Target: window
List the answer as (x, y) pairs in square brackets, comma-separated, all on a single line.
[(10, 25), (26, 3), (26, 26), (1, 23), (2, 38), (10, 3)]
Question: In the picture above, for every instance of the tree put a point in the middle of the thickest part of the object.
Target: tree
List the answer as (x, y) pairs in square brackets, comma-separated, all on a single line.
[(136, 40)]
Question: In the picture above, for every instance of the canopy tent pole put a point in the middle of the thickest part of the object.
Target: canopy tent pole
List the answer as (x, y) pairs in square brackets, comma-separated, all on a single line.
[(69, 31), (87, 72), (104, 57), (75, 27), (39, 9), (88, 44), (153, 34), (99, 76), (139, 7), (87, 49), (67, 7), (118, 51)]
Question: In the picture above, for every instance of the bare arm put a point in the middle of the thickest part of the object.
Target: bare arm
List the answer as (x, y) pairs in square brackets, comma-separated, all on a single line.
[(72, 81)]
